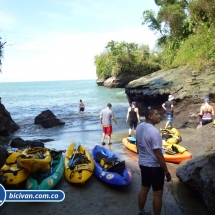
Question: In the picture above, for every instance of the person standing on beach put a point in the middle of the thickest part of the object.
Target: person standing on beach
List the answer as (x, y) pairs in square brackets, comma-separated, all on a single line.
[(106, 116), (81, 107), (169, 107), (206, 113), (133, 117), (151, 161)]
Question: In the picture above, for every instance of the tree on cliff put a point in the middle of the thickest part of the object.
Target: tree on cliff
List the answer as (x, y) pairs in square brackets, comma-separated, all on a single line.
[(125, 59), (1, 52), (186, 32)]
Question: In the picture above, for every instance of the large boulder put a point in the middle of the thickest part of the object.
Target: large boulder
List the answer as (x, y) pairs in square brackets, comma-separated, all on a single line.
[(3, 155), (7, 125), (187, 86), (198, 174), (47, 119), (19, 143)]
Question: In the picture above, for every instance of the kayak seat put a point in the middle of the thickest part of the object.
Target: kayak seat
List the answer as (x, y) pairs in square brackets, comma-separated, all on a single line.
[(118, 167), (77, 159), (104, 160)]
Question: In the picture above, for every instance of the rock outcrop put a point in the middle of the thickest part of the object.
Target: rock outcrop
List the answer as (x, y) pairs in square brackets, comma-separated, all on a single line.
[(187, 86), (19, 143), (116, 82), (7, 125), (3, 155), (198, 174), (48, 120)]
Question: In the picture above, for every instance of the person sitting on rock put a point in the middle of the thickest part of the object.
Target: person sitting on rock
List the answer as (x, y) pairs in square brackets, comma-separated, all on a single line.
[(206, 113)]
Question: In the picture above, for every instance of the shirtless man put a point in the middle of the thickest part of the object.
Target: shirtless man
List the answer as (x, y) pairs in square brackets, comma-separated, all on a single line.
[(81, 107), (206, 112)]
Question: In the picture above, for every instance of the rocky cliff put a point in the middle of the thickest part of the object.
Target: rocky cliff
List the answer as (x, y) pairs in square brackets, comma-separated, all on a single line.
[(187, 86), (7, 124), (116, 82)]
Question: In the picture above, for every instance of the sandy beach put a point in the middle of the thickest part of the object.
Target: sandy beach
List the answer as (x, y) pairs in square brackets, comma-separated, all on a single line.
[(96, 197)]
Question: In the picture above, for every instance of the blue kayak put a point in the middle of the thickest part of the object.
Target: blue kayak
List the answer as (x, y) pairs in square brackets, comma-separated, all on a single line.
[(109, 168)]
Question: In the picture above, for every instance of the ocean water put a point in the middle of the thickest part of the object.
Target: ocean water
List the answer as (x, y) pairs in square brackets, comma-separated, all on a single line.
[(26, 100)]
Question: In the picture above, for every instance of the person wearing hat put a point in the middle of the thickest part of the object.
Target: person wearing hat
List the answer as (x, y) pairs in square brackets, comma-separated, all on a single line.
[(169, 107), (133, 117), (206, 113), (106, 116)]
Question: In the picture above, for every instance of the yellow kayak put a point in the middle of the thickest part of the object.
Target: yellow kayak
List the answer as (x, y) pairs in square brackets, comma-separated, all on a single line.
[(34, 159), (79, 164), (11, 172)]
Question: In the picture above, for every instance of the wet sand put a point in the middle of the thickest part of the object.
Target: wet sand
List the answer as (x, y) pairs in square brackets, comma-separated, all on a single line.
[(96, 197)]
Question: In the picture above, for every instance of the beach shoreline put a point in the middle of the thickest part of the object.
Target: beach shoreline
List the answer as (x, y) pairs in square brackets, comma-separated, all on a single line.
[(96, 197)]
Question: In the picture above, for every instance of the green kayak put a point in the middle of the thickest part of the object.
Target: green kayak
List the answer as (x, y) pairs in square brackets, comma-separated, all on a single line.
[(47, 180)]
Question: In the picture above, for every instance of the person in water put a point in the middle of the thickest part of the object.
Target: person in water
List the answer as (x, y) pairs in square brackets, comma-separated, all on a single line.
[(151, 161), (206, 113), (81, 106), (133, 117), (169, 107), (106, 116)]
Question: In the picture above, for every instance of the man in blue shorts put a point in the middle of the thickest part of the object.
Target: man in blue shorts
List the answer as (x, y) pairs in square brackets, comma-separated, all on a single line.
[(151, 161), (169, 107)]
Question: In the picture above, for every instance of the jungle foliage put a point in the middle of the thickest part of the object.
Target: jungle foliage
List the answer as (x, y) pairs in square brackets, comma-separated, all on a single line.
[(186, 36), (186, 31), (127, 59)]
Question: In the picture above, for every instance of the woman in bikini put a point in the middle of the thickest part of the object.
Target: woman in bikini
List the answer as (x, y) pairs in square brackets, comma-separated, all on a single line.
[(206, 113)]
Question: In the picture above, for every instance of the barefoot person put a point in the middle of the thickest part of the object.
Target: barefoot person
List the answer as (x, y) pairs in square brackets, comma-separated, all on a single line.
[(151, 161), (81, 107), (133, 117), (169, 107), (206, 113), (106, 116)]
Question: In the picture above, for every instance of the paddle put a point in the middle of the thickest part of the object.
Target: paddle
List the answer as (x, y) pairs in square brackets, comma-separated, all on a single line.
[(73, 155)]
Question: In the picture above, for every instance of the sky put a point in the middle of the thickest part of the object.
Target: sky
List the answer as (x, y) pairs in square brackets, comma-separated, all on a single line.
[(49, 40)]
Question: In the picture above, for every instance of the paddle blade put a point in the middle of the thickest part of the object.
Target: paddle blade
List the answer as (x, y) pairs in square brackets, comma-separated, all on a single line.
[(77, 145)]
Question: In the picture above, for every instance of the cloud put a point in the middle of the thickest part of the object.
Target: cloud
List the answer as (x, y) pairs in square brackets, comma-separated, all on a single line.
[(65, 56), (60, 40)]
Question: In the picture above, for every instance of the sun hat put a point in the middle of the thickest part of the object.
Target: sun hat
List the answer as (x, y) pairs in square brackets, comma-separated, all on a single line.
[(109, 105), (134, 103), (170, 98), (206, 99)]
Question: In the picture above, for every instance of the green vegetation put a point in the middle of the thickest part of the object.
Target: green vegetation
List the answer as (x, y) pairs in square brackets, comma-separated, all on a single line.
[(1, 52), (186, 31), (127, 59), (186, 36)]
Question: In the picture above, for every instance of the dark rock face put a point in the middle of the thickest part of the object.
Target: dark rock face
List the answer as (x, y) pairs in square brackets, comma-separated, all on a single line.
[(7, 125), (116, 82), (3, 156), (187, 86), (18, 143), (22, 144), (199, 175), (48, 120), (100, 81)]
